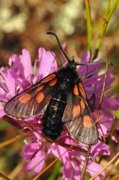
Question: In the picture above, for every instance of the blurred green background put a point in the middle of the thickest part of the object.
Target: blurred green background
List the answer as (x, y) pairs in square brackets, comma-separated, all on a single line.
[(24, 23)]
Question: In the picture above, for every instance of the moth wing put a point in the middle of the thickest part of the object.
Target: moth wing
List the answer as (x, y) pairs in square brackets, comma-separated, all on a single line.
[(78, 119), (32, 101)]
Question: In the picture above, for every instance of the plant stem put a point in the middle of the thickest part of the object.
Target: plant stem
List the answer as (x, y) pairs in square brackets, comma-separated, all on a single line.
[(108, 13), (89, 24)]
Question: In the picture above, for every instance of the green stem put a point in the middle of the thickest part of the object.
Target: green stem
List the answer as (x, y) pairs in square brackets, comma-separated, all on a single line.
[(89, 24), (55, 171), (108, 13)]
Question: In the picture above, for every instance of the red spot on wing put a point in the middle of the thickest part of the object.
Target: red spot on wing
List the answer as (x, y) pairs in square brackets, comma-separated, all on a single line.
[(25, 98), (82, 104), (39, 97), (75, 90), (53, 82), (48, 78), (87, 121), (82, 90), (39, 88), (76, 110)]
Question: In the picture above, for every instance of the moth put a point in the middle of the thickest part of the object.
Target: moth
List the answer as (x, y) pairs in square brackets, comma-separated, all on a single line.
[(63, 96)]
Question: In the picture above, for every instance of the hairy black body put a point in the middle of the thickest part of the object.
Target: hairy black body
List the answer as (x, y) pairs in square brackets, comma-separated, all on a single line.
[(52, 119)]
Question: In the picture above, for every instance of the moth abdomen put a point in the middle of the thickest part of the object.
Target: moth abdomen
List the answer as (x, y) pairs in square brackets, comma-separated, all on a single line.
[(52, 119)]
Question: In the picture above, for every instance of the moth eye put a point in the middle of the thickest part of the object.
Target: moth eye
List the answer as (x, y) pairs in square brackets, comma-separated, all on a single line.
[(75, 90), (39, 97), (87, 121), (53, 82), (25, 98)]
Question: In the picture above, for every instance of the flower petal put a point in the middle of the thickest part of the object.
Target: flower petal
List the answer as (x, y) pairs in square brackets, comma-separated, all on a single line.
[(26, 62), (47, 63), (36, 162)]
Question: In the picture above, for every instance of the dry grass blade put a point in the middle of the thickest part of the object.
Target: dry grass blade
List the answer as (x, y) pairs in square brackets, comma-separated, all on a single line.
[(108, 164), (3, 177), (10, 141)]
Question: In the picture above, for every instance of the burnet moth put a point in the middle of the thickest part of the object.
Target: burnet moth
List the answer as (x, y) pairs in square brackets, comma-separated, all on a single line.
[(63, 96)]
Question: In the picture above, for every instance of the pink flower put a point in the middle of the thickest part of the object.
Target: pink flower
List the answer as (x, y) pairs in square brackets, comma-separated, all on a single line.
[(18, 76)]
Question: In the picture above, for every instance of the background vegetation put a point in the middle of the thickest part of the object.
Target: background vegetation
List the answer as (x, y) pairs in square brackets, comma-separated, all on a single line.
[(24, 23)]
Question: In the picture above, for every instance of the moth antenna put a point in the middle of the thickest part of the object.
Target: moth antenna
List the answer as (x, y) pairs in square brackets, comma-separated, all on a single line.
[(58, 41)]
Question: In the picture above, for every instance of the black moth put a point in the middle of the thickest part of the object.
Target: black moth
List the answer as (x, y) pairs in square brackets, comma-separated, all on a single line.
[(63, 95)]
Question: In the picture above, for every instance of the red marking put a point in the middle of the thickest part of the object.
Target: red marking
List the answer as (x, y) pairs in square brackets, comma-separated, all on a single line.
[(82, 104), (25, 98), (39, 88), (76, 110), (75, 90), (82, 90), (53, 82), (87, 121), (48, 78), (40, 97)]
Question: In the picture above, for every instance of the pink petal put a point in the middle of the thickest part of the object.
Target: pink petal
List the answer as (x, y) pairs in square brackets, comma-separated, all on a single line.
[(29, 150), (26, 62), (38, 160), (39, 166), (67, 170), (9, 81), (94, 168), (16, 64), (72, 169), (59, 152), (100, 149), (47, 64)]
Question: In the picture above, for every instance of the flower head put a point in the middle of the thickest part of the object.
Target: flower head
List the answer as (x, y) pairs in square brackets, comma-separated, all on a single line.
[(19, 75)]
